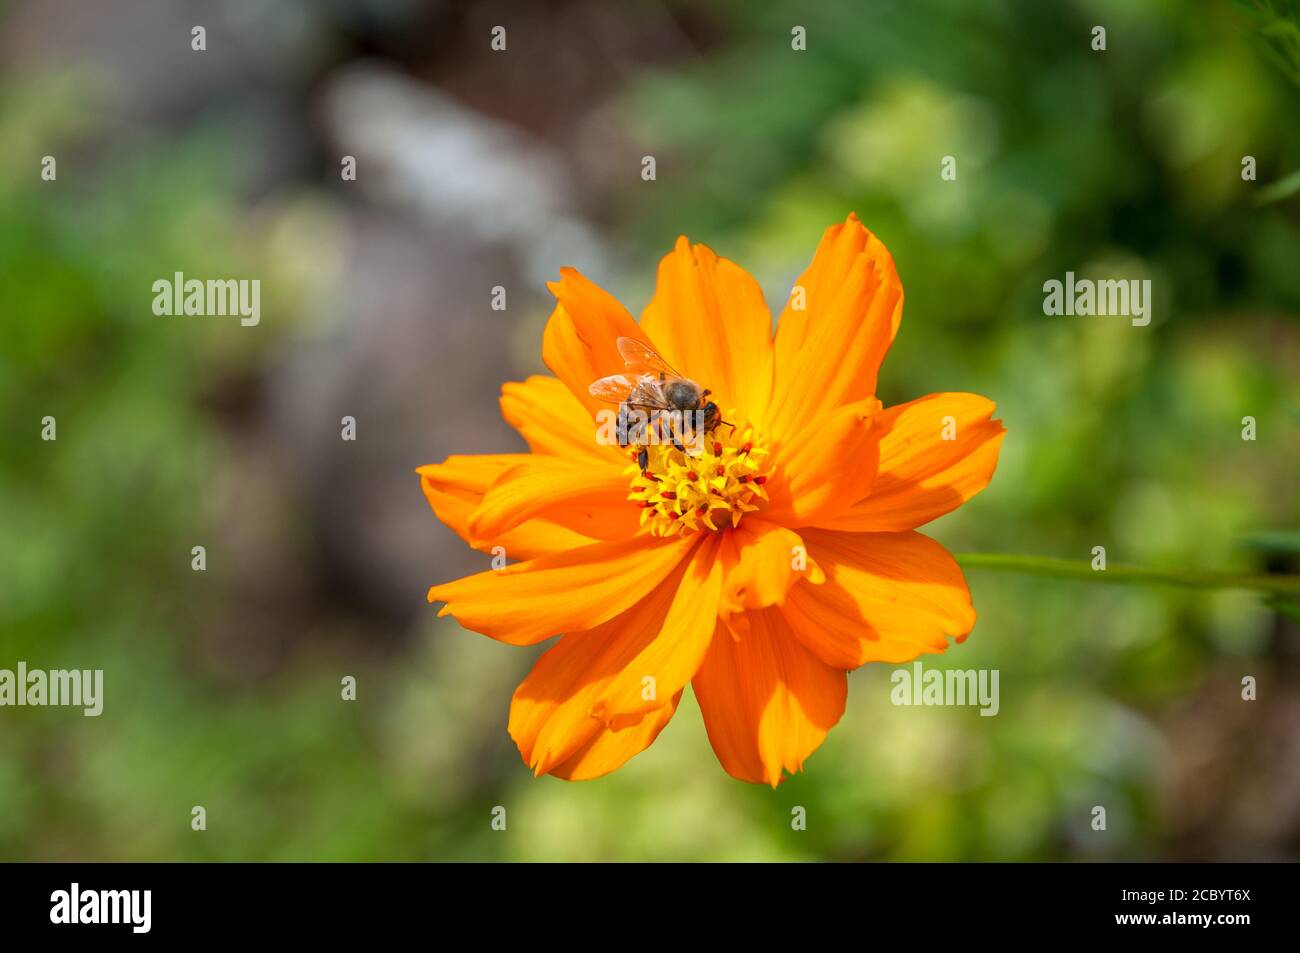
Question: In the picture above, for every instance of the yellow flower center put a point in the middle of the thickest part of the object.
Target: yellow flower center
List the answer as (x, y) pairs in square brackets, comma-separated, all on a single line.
[(707, 486)]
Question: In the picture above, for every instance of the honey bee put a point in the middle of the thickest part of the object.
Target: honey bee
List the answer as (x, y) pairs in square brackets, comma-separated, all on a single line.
[(658, 392)]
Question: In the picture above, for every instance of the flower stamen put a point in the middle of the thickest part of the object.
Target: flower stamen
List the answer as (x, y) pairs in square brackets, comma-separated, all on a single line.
[(684, 492)]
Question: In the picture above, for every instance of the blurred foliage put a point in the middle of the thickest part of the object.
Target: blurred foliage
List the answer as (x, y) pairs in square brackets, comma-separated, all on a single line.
[(1124, 161), (1277, 25)]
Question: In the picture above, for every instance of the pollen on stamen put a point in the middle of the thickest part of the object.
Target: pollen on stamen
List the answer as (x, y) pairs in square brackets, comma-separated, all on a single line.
[(684, 492)]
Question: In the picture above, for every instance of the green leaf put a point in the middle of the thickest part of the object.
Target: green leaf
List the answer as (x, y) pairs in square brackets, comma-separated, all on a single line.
[(1275, 541), (1276, 585), (1281, 189)]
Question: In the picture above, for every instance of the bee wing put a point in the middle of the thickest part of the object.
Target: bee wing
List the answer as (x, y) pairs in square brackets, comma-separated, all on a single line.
[(641, 358), (616, 388), (641, 391)]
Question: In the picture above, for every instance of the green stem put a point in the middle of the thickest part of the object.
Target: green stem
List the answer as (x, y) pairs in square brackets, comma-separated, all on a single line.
[(1070, 569)]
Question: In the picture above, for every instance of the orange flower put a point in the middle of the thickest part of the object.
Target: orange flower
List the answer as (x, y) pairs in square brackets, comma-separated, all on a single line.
[(759, 570)]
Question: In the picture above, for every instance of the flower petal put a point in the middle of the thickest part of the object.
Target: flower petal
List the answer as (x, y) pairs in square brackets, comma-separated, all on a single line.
[(888, 597), (761, 565), (828, 354), (616, 674), (824, 471), (551, 419), (552, 714), (608, 749), (455, 488), (922, 474), (666, 660), (578, 344), (767, 701), (712, 325), (585, 496), (528, 602)]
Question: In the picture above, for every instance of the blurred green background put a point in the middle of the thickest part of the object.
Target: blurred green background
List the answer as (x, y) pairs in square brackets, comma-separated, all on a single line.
[(479, 168)]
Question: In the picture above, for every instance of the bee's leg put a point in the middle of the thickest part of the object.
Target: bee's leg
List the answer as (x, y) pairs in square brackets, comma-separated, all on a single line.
[(626, 437), (622, 425), (674, 423), (680, 435)]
